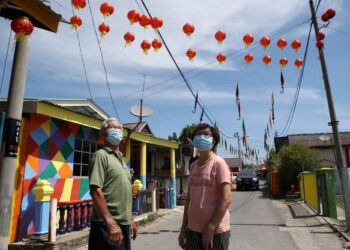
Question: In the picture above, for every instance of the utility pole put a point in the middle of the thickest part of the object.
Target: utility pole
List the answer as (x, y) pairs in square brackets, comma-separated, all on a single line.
[(342, 169), (11, 137), (236, 135)]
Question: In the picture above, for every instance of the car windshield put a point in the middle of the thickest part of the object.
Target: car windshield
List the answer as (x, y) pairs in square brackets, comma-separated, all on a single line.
[(247, 173)]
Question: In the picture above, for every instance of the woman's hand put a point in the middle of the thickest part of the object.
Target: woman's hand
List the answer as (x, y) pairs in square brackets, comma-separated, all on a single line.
[(182, 238), (208, 237)]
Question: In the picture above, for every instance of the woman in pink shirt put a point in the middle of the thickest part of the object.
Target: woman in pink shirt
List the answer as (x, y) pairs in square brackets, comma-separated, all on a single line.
[(206, 219)]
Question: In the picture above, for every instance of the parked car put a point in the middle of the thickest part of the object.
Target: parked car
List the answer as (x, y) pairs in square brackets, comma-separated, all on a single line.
[(233, 179), (247, 179)]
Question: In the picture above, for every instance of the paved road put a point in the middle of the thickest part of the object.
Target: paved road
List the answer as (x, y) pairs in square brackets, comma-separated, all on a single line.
[(257, 222)]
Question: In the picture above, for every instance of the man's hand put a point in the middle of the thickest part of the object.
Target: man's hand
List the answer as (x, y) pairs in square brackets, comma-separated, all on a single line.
[(134, 229), (115, 234)]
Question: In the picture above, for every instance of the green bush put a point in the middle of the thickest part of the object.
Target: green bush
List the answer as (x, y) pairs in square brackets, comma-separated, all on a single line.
[(292, 160)]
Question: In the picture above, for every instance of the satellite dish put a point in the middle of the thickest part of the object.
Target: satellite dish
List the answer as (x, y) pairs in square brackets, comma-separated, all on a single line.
[(137, 111), (324, 137)]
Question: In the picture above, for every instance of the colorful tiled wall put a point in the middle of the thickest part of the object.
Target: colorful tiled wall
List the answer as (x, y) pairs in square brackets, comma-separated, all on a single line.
[(50, 152)]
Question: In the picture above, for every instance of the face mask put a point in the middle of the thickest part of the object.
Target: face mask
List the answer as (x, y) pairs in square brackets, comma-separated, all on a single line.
[(203, 142), (114, 136)]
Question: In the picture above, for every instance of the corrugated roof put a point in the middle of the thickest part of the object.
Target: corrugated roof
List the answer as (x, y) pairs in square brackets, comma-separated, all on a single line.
[(233, 162), (318, 140)]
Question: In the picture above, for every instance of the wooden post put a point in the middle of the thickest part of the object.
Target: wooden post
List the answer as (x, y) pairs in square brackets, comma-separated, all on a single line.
[(52, 225)]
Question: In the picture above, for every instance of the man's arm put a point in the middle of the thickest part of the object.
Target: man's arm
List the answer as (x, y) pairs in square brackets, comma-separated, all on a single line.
[(114, 231)]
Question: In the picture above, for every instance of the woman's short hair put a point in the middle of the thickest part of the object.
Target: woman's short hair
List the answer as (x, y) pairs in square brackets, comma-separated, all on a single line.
[(214, 132)]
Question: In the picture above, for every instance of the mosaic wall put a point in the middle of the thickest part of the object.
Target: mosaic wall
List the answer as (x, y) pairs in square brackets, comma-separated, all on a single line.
[(50, 152)]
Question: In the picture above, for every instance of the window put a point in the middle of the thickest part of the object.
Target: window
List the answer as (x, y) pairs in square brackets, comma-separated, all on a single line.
[(83, 150)]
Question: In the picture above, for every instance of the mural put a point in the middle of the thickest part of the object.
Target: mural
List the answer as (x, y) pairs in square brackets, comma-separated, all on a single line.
[(50, 155)]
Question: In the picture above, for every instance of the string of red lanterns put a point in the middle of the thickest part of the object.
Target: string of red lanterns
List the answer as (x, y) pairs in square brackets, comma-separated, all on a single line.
[(22, 26)]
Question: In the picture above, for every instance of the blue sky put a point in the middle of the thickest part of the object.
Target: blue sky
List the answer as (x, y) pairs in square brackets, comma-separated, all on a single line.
[(55, 65)]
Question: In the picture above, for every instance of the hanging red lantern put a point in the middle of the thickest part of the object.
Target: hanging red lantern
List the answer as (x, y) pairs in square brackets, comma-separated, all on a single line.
[(221, 58), (188, 29), (283, 62), (145, 45), (79, 4), (76, 22), (248, 39), (156, 44), (133, 16), (103, 28), (265, 41), (106, 9), (248, 58), (320, 36), (191, 53), (267, 59), (298, 63), (320, 44), (22, 26), (220, 36), (329, 14), (156, 23), (129, 38), (296, 44), (281, 43), (145, 21)]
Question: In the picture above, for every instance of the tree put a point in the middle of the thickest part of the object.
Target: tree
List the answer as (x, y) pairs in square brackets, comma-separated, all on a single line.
[(187, 132), (292, 160), (173, 137), (272, 160)]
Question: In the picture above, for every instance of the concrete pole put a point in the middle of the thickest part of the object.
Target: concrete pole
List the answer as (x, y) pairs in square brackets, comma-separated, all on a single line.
[(343, 171), (11, 137), (236, 135)]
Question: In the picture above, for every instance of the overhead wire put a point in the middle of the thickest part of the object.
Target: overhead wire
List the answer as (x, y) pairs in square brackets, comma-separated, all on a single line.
[(103, 61), (5, 61), (82, 60)]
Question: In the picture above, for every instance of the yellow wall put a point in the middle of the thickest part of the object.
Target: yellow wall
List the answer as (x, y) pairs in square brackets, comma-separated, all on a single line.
[(311, 196)]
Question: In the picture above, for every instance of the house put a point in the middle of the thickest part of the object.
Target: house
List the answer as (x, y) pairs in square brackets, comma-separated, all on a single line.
[(323, 143), (235, 164), (57, 138)]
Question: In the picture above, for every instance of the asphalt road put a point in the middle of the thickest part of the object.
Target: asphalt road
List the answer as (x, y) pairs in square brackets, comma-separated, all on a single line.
[(257, 222)]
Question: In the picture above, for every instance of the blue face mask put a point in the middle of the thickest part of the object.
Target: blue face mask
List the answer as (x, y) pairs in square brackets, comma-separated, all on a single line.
[(203, 142), (114, 136)]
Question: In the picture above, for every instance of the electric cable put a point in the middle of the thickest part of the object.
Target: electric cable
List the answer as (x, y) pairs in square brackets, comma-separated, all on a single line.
[(103, 61), (5, 61)]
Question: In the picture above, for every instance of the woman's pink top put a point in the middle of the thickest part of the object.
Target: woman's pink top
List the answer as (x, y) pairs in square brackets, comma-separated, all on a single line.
[(204, 194)]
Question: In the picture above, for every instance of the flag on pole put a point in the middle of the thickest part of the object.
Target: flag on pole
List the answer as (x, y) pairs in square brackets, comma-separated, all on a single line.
[(202, 114), (239, 111), (282, 83), (237, 94), (195, 103), (243, 126)]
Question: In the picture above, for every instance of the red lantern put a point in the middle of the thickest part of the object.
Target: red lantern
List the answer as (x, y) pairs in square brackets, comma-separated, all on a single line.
[(320, 36), (156, 23), (103, 28), (145, 45), (220, 36), (106, 9), (283, 62), (144, 21), (191, 53), (188, 29), (319, 44), (265, 41), (221, 58), (248, 39), (248, 58), (79, 4), (129, 38), (76, 22), (267, 59), (296, 44), (281, 43), (329, 14), (298, 63), (156, 44), (133, 16), (22, 26)]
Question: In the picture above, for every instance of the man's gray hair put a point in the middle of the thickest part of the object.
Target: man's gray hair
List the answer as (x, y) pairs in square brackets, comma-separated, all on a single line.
[(104, 124)]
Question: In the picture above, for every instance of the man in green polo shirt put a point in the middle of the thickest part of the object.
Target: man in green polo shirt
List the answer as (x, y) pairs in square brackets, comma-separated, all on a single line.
[(110, 189)]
